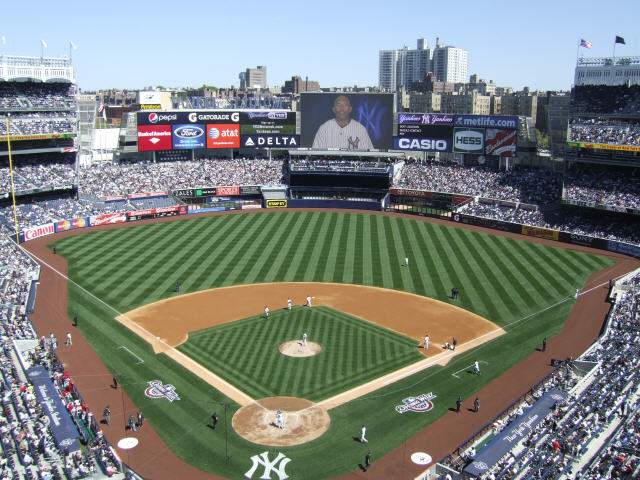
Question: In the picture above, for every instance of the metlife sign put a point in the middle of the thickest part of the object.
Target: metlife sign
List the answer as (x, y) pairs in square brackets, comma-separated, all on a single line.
[(468, 140), (486, 121)]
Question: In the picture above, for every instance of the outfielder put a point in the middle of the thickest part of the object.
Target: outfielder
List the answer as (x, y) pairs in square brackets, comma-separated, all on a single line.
[(406, 261), (476, 366), (362, 435)]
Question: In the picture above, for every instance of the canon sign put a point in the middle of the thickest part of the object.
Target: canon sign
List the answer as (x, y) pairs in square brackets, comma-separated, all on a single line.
[(39, 231)]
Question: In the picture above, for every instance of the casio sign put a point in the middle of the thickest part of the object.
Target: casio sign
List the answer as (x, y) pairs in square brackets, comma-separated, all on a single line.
[(188, 132), (468, 140), (422, 144)]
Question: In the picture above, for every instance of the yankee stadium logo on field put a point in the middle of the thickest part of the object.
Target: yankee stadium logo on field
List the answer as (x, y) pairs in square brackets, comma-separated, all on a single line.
[(420, 404), (156, 389)]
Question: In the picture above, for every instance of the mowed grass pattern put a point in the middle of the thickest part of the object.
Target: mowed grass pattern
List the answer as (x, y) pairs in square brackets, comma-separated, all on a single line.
[(499, 278), (246, 354)]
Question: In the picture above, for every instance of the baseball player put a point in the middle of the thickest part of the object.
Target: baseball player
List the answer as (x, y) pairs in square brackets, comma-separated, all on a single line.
[(454, 342), (362, 435), (288, 304), (266, 312), (279, 419), (68, 342), (476, 366), (406, 261), (342, 131), (426, 342), (577, 293), (308, 301), (304, 339)]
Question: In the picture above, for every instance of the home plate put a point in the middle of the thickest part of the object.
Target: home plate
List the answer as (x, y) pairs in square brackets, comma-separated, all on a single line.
[(130, 442), (421, 458)]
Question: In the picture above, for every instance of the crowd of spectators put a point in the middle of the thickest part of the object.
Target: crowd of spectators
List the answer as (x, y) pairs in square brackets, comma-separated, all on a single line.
[(606, 99), (595, 432), (101, 180), (524, 184), (605, 131), (47, 170), (28, 448), (603, 185)]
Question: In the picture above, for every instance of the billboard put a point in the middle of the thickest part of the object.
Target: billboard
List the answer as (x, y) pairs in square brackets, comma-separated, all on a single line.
[(223, 135), (599, 146), (156, 137), (425, 137), (268, 122), (347, 121), (468, 140), (500, 142), (188, 136), (187, 117)]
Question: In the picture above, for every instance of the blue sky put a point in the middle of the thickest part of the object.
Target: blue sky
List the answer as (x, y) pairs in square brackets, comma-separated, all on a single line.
[(134, 44)]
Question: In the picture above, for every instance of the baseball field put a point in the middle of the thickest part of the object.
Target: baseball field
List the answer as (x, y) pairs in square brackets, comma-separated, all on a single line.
[(523, 290)]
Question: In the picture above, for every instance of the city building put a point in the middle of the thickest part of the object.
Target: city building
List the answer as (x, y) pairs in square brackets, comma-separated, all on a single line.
[(406, 67), (253, 78), (297, 85)]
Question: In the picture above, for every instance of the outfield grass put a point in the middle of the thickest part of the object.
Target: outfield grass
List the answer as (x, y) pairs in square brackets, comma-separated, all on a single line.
[(526, 288), (245, 353)]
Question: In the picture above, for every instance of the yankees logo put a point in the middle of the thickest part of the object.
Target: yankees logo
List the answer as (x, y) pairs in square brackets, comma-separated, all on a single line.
[(353, 143), (263, 460), (156, 389), (421, 403)]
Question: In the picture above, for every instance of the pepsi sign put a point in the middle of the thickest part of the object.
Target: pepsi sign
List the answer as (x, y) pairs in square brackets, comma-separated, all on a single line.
[(189, 136)]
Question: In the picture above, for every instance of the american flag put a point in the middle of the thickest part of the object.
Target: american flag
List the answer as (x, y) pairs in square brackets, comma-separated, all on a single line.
[(585, 44)]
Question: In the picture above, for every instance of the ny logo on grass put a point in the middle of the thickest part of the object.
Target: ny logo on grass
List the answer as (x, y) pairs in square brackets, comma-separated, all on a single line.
[(263, 459)]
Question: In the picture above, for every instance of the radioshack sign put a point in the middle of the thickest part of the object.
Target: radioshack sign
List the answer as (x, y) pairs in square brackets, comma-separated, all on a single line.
[(468, 140), (39, 231)]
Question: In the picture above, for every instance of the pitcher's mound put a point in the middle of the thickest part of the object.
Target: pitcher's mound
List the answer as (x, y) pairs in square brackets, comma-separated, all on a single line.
[(294, 348), (302, 421)]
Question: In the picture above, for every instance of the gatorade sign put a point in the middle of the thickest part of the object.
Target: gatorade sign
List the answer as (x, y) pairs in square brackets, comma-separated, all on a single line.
[(468, 140)]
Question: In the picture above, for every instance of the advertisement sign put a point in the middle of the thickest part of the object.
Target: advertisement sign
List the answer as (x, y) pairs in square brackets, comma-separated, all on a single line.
[(602, 146), (223, 135), (227, 191), (500, 142), (149, 96), (187, 117), (268, 122), (346, 121), (44, 136), (428, 138), (148, 194), (188, 136), (39, 231), (539, 232), (107, 219), (114, 198), (184, 192), (65, 225), (468, 140), (277, 203), (154, 137), (150, 106), (486, 121), (270, 141), (250, 190), (157, 212)]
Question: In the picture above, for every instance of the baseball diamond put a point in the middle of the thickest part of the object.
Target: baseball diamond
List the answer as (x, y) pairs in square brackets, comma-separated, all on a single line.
[(522, 288)]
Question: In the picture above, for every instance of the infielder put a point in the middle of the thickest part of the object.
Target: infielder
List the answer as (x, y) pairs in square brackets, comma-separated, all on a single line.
[(577, 293), (266, 312), (288, 304), (279, 419), (342, 131), (304, 339), (308, 301), (426, 342)]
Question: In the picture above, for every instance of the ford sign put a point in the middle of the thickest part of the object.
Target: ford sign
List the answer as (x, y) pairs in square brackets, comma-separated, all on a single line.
[(188, 132)]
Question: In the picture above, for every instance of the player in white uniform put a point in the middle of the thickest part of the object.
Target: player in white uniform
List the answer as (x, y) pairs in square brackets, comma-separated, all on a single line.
[(279, 419), (426, 342), (288, 304), (476, 366), (406, 261), (266, 312), (304, 339), (342, 132), (308, 301)]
